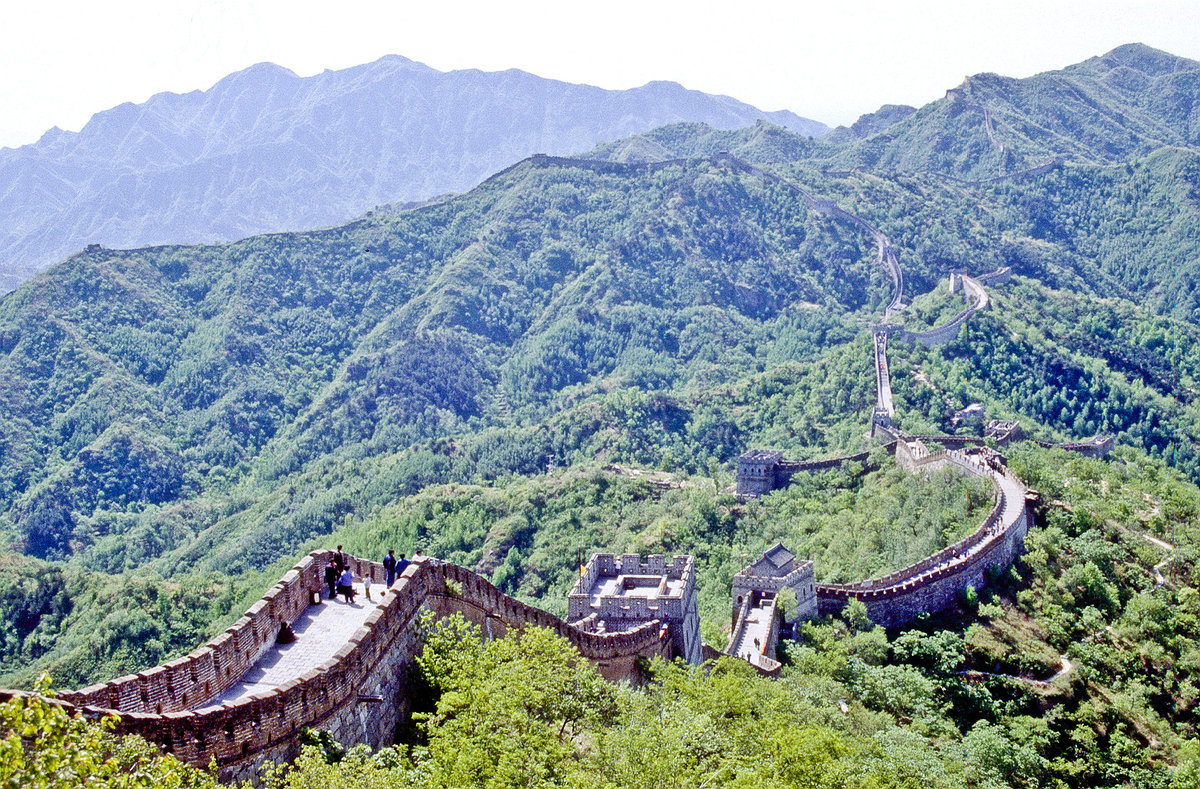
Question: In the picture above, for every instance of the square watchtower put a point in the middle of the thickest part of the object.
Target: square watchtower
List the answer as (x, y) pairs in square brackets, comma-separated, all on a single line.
[(756, 472), (778, 569), (620, 593)]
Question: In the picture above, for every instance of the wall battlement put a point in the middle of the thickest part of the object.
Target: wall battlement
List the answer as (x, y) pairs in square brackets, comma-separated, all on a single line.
[(932, 584), (342, 694), (616, 594), (977, 299)]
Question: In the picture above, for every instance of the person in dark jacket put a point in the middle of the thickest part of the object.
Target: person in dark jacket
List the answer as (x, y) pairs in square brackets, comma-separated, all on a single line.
[(339, 559), (389, 568), (331, 578), (400, 565)]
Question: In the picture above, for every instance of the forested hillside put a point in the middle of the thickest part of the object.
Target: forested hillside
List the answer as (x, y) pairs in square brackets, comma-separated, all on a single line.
[(184, 411), (571, 356)]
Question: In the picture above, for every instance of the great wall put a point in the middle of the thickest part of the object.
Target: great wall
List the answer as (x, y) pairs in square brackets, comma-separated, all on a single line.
[(238, 701), (934, 583), (359, 694)]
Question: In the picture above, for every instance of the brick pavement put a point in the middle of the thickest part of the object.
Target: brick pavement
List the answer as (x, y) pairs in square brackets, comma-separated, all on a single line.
[(321, 630)]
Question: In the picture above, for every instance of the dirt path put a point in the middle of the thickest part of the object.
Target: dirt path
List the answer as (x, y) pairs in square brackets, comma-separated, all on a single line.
[(1159, 580), (1065, 668)]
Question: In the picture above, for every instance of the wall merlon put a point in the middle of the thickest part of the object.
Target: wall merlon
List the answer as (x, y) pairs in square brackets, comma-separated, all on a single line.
[(241, 733)]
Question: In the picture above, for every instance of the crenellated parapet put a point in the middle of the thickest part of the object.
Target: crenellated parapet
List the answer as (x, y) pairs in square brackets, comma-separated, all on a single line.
[(935, 583), (360, 694), (761, 471), (617, 594), (209, 671), (932, 584), (977, 299), (1096, 447)]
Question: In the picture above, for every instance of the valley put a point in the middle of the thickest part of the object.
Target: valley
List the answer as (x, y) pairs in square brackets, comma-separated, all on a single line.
[(572, 357)]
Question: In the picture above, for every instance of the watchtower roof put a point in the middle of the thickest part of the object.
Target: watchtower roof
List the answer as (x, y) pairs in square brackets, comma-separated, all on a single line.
[(775, 561), (761, 455)]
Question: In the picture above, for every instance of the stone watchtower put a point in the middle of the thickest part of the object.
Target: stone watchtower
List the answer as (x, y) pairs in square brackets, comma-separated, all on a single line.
[(756, 471), (616, 594), (777, 569)]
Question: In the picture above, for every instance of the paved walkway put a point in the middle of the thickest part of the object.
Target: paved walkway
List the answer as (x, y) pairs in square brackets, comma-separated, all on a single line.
[(321, 630), (756, 630)]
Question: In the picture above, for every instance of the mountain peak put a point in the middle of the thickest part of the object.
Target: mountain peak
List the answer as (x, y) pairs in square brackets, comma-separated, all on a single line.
[(257, 74), (1148, 60), (265, 150)]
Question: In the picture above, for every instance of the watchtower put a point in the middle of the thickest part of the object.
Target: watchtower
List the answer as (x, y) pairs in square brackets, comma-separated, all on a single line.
[(777, 569), (756, 471), (616, 594)]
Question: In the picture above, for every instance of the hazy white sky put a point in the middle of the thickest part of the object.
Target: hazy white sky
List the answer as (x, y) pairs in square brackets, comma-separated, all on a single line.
[(61, 61)]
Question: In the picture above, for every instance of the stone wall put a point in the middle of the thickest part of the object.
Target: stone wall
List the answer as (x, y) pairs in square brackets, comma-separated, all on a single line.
[(977, 299), (212, 669), (763, 656), (762, 471), (756, 472), (932, 591), (801, 581), (675, 609), (934, 583), (360, 694), (1097, 447)]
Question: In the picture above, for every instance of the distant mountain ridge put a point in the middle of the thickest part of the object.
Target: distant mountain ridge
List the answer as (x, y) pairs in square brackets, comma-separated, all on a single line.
[(1111, 108), (1120, 106), (264, 150)]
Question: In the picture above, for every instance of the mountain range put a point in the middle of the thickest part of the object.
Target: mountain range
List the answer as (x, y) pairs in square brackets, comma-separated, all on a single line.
[(572, 355), (1112, 108), (264, 150)]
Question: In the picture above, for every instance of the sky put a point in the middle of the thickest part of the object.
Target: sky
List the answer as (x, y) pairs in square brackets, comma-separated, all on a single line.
[(60, 62)]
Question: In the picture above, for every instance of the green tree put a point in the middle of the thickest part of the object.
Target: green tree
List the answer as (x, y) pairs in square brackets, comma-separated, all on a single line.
[(513, 711), (45, 747)]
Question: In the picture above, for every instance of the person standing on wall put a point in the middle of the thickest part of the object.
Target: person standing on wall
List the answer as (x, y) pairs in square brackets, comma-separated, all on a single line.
[(339, 559), (346, 585), (331, 578), (389, 568), (400, 565)]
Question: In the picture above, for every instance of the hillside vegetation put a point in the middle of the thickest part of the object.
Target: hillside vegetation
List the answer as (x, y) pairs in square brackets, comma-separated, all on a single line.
[(571, 357), (184, 411)]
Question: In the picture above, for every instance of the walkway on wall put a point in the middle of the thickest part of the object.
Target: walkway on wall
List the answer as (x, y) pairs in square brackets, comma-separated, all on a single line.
[(1012, 499), (883, 378), (753, 636), (321, 630)]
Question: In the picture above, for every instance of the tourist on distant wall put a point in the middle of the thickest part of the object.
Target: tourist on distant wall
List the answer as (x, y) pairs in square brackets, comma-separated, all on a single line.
[(389, 568), (400, 565), (367, 585), (331, 578), (346, 585), (339, 559)]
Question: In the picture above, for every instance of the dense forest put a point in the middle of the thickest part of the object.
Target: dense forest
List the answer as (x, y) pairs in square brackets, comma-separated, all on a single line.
[(571, 357)]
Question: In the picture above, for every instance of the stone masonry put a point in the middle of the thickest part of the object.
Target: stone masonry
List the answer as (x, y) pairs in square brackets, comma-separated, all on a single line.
[(360, 693), (618, 594)]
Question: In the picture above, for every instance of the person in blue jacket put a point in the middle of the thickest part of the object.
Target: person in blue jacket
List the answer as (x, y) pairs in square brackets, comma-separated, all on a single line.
[(389, 568)]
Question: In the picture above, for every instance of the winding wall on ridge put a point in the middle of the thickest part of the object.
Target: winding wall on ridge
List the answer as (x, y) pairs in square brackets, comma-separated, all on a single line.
[(360, 694), (934, 583)]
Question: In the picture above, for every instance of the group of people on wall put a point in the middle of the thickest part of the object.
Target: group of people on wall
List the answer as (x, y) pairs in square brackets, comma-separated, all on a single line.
[(340, 579)]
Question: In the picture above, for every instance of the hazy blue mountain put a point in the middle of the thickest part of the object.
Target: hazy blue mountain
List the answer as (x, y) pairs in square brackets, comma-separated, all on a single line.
[(265, 150)]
